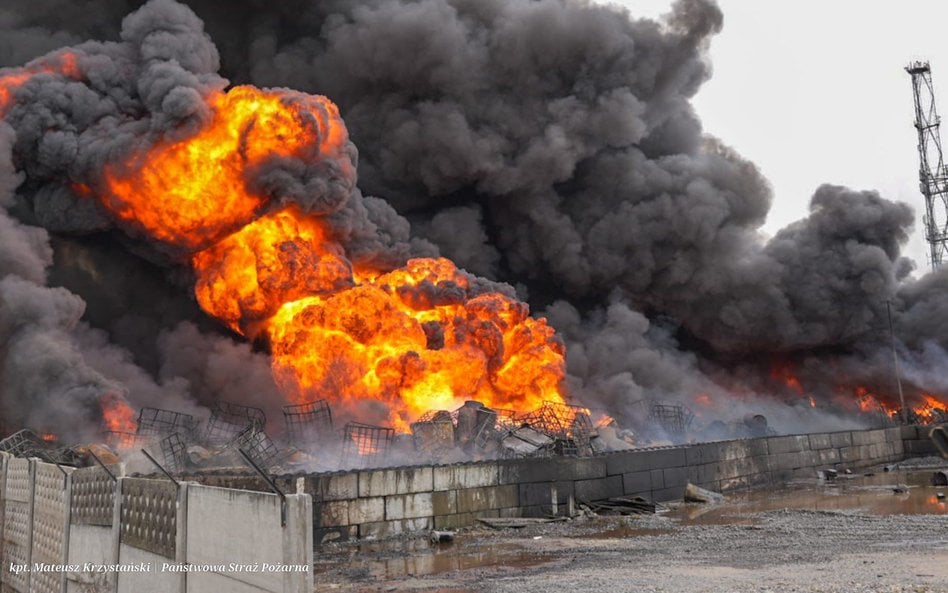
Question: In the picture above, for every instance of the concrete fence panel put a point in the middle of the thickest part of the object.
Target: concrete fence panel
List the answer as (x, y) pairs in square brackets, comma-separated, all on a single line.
[(17, 525), (93, 529), (152, 513), (236, 540), (50, 527), (3, 480)]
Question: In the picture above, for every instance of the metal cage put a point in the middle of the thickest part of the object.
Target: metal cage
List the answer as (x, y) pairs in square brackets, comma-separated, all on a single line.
[(307, 423), (257, 445), (160, 422), (364, 444), (174, 452), (229, 420)]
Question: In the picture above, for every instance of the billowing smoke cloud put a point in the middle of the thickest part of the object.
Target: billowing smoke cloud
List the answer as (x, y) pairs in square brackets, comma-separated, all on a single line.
[(549, 144)]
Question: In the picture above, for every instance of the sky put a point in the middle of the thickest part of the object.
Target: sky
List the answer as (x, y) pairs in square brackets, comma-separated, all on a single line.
[(815, 91)]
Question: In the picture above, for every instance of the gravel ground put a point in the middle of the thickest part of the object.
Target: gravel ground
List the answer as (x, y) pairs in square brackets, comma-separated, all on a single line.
[(735, 548)]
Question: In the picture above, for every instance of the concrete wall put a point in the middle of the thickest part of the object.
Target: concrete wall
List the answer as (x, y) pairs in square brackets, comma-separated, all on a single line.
[(917, 443), (90, 521), (384, 502)]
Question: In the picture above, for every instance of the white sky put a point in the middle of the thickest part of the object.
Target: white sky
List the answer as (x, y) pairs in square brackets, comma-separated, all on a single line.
[(814, 91)]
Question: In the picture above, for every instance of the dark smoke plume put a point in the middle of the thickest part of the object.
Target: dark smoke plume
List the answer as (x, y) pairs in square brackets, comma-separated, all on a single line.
[(548, 144)]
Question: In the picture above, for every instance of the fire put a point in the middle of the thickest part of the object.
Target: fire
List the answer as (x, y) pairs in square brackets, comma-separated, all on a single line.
[(926, 412), (869, 401), (189, 194), (117, 415), (48, 437), (276, 259), (606, 420), (64, 63), (416, 338), (784, 373)]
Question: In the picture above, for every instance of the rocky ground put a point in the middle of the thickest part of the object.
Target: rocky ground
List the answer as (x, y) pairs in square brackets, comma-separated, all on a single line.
[(855, 536)]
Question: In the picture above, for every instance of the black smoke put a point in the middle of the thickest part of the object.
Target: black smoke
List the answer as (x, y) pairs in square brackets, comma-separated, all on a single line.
[(548, 144)]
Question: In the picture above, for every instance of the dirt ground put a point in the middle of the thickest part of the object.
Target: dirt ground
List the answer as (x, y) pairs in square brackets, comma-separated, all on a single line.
[(855, 535)]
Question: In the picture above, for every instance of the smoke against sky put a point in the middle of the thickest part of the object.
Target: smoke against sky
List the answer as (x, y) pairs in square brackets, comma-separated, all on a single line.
[(549, 145)]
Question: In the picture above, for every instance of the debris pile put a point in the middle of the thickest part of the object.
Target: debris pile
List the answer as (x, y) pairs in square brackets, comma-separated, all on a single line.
[(234, 434)]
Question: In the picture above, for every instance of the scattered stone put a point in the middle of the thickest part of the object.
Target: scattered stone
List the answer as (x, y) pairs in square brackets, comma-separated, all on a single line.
[(517, 522), (697, 494), (900, 488), (828, 475), (441, 537)]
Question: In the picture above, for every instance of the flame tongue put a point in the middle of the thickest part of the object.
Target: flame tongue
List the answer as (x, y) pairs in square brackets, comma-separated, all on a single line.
[(117, 415)]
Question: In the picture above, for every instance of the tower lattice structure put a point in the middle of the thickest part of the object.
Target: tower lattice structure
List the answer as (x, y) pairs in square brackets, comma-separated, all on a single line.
[(932, 173)]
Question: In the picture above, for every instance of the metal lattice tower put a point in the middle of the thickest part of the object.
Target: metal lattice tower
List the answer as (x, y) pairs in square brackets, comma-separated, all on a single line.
[(931, 173)]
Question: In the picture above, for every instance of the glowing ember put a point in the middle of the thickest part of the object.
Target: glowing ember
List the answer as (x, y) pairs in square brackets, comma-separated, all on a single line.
[(117, 415), (48, 437)]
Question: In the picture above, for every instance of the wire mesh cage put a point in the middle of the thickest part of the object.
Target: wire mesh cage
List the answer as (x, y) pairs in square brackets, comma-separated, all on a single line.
[(674, 419), (433, 431), (492, 425), (174, 452), (365, 445), (160, 422), (257, 445), (21, 442), (229, 420), (569, 426), (122, 440), (308, 423)]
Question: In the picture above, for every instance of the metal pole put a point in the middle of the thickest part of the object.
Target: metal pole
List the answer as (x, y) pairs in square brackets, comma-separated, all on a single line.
[(269, 482), (99, 461), (163, 470), (895, 359)]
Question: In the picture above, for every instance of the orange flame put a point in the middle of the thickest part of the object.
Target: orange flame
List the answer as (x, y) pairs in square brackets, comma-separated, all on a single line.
[(190, 194), (117, 415), (926, 412), (606, 420), (869, 401), (64, 63), (417, 338), (278, 258), (370, 343), (784, 373)]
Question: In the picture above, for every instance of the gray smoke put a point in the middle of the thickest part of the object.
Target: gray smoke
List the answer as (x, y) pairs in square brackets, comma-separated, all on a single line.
[(549, 144)]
